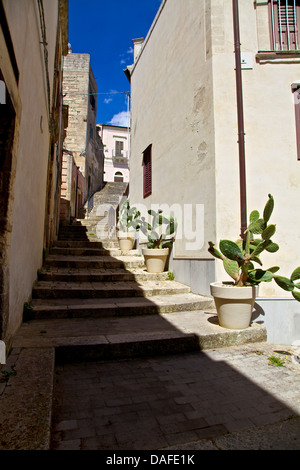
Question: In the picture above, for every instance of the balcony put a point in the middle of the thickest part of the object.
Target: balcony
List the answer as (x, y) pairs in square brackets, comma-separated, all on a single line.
[(120, 157)]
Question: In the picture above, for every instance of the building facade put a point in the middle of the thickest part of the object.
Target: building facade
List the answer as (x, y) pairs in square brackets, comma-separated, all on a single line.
[(82, 137), (116, 147), (184, 135), (72, 190), (33, 40)]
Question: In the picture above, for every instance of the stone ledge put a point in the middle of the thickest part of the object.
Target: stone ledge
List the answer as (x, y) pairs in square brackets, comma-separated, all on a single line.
[(26, 402)]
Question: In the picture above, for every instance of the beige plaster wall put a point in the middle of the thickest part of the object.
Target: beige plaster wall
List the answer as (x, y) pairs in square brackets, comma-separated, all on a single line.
[(32, 161), (172, 109), (270, 141)]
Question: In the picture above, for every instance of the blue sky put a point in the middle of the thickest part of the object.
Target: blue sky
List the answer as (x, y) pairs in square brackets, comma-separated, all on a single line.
[(105, 29)]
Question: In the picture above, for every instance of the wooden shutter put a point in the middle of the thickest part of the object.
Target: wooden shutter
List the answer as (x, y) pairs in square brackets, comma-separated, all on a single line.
[(119, 148), (297, 112), (286, 14), (147, 171)]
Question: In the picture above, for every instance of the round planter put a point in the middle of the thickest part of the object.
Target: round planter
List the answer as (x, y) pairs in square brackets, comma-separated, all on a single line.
[(126, 240), (155, 259), (234, 304)]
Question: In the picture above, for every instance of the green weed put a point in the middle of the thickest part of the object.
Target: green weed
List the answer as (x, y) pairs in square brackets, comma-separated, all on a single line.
[(276, 361)]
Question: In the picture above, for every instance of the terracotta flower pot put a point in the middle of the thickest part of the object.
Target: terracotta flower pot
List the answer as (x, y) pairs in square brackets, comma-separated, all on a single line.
[(234, 304), (126, 240), (155, 259)]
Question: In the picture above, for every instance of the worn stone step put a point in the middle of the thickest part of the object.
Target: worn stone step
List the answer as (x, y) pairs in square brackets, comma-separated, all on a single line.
[(81, 339), (90, 251), (74, 237), (102, 290), (72, 228), (117, 306), (94, 262), (86, 243), (98, 275)]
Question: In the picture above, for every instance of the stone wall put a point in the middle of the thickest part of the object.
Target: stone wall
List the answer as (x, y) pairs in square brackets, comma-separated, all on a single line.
[(80, 88)]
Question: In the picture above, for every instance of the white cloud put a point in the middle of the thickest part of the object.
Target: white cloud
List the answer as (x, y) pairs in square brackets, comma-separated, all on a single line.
[(107, 100), (121, 119), (130, 50)]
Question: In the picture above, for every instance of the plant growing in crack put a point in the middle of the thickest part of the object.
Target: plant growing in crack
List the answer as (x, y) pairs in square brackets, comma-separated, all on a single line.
[(170, 276), (276, 361), (7, 374)]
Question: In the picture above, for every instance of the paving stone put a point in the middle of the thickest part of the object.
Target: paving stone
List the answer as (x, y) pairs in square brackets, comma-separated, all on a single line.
[(133, 372), (166, 423)]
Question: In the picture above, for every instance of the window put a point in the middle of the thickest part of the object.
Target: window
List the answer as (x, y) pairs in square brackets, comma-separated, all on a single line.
[(119, 146), (147, 171), (93, 102), (91, 132), (297, 113), (284, 24)]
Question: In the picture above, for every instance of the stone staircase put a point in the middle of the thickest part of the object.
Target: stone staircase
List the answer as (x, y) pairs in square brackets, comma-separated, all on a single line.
[(101, 220), (93, 301)]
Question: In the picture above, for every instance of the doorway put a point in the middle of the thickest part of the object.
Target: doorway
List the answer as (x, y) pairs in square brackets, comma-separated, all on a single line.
[(118, 178)]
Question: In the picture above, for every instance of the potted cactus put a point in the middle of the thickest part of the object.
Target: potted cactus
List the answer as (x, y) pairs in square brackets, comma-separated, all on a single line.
[(158, 245), (128, 225), (235, 300)]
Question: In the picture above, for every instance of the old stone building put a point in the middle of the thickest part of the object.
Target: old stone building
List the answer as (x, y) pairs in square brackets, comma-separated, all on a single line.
[(33, 39), (82, 138)]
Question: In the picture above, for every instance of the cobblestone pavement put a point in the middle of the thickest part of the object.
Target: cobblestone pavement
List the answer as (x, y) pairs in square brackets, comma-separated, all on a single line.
[(160, 402)]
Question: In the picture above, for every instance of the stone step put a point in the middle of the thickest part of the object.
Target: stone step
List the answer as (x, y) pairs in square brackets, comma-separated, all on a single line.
[(98, 275), (116, 306), (86, 243), (78, 244), (94, 220), (81, 339), (73, 231), (103, 290), (73, 237), (90, 251), (94, 262), (107, 243)]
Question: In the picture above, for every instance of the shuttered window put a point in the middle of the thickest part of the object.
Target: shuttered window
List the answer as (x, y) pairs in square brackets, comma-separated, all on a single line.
[(147, 171), (119, 146), (284, 22), (297, 113)]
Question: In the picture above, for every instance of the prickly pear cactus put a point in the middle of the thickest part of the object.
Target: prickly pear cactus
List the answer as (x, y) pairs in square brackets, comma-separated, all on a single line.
[(239, 257), (155, 239)]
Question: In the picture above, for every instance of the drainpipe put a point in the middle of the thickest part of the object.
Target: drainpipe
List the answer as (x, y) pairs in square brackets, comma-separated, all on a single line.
[(240, 114)]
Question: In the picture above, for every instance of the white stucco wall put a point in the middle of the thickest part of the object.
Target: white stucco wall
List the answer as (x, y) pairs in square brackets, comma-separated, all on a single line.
[(32, 161), (172, 98)]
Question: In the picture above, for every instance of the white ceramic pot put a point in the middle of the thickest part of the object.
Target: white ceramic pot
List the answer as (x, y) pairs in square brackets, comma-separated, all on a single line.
[(155, 259), (234, 304), (126, 240)]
